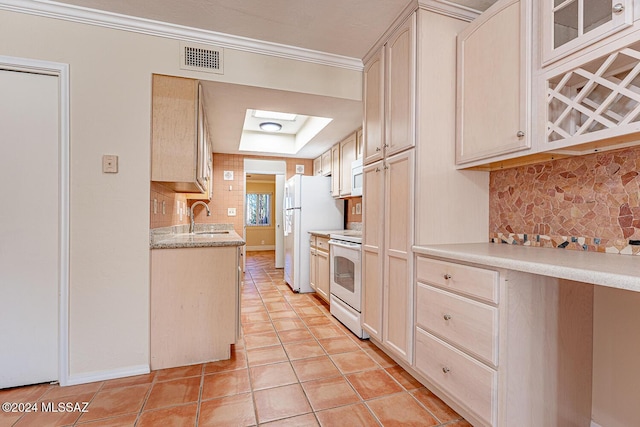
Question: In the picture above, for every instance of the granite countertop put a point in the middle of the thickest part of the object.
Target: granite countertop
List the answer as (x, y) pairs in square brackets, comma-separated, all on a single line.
[(178, 236), (611, 270)]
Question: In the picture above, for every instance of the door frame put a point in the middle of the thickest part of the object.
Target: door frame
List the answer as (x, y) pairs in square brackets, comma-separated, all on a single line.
[(265, 167), (61, 71)]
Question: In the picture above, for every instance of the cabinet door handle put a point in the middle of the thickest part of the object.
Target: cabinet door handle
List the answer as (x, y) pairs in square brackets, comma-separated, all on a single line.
[(386, 145), (447, 317), (447, 276), (377, 148), (520, 134), (446, 370), (385, 167), (618, 8)]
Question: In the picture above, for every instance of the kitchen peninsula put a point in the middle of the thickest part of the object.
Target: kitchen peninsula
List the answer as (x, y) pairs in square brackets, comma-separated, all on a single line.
[(195, 296), (502, 315)]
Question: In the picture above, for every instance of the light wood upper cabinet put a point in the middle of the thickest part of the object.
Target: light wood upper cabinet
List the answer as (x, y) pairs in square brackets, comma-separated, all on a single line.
[(571, 25), (400, 80), (373, 121), (335, 171), (389, 95), (347, 156), (178, 153), (494, 68), (317, 166), (327, 166)]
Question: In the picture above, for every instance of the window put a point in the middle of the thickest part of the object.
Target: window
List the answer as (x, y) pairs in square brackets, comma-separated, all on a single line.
[(258, 209)]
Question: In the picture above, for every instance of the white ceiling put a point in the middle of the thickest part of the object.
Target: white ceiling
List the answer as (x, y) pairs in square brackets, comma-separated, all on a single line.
[(347, 28)]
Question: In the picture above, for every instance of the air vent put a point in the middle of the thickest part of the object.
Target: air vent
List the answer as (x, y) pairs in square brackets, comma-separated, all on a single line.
[(208, 59)]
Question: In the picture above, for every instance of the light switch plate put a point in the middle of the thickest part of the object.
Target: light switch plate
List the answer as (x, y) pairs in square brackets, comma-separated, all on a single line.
[(231, 211), (109, 163)]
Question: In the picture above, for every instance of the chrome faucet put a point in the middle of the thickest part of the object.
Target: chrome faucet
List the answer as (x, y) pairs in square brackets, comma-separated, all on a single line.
[(193, 223)]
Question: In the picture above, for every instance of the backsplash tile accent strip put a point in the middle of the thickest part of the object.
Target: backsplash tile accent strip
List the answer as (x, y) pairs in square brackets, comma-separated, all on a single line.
[(587, 203)]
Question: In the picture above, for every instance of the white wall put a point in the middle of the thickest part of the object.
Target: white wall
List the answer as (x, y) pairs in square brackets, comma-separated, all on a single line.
[(110, 114)]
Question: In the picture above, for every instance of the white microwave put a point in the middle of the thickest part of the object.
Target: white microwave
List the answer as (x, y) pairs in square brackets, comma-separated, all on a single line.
[(356, 177)]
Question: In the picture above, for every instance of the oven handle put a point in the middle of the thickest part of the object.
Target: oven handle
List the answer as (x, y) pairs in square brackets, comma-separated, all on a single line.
[(344, 245)]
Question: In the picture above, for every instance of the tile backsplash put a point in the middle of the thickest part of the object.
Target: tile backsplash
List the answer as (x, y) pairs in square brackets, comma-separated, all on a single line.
[(589, 202)]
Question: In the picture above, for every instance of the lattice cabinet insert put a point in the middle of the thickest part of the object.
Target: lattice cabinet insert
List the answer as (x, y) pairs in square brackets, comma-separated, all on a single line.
[(595, 101)]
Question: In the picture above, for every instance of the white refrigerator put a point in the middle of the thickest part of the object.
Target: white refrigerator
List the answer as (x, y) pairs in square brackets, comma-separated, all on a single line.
[(308, 205)]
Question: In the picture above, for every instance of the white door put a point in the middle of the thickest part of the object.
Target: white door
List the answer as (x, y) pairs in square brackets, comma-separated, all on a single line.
[(279, 218), (29, 227)]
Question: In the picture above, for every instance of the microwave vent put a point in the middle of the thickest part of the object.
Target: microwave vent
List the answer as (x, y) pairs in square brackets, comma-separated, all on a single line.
[(201, 58)]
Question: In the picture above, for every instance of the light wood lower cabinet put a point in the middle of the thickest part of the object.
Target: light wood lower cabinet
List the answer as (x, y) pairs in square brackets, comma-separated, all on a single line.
[(195, 305), (387, 259), (319, 274), (504, 348)]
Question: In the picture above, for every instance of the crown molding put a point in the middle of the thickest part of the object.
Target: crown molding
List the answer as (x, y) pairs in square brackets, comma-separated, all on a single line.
[(441, 7), (55, 10), (448, 8)]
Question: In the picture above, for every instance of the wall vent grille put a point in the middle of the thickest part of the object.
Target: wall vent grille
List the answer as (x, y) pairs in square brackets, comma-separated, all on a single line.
[(201, 58)]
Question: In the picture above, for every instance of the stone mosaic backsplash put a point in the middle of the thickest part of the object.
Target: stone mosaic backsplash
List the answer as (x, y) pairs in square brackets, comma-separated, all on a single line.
[(588, 203)]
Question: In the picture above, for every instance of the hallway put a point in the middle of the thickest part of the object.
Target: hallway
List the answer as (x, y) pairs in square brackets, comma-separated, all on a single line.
[(297, 366)]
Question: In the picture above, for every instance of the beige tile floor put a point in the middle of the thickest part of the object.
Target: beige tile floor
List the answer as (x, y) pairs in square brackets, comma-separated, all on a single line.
[(296, 366)]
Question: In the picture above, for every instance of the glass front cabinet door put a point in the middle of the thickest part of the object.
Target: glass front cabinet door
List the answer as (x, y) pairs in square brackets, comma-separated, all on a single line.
[(571, 25)]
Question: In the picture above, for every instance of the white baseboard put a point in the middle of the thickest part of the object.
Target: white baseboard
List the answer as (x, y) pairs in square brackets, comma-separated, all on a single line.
[(594, 424), (260, 248), (129, 371)]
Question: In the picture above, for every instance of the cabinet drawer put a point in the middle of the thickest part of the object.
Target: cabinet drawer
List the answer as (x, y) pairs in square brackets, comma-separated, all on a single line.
[(466, 380), (469, 324), (476, 282), (312, 240), (322, 243)]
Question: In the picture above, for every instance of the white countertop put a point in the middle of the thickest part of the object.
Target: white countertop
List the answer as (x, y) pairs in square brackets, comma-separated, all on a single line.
[(612, 270)]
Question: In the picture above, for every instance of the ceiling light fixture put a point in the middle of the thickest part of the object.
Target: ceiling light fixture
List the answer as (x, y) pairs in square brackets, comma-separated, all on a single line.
[(270, 126)]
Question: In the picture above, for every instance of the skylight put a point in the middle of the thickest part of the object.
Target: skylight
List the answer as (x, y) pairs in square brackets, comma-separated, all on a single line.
[(273, 115)]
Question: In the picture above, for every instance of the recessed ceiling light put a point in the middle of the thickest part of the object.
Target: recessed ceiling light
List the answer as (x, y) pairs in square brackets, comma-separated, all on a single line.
[(262, 114), (270, 126)]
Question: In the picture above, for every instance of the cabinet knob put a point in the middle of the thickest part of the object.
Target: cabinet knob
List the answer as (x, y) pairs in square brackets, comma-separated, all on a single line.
[(386, 145), (447, 317), (618, 8), (377, 148), (446, 370), (447, 276), (385, 167), (520, 134)]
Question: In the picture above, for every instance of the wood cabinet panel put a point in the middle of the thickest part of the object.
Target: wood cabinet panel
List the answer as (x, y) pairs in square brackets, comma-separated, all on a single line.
[(372, 248), (471, 325), (323, 274), (335, 171), (177, 145), (493, 113), (458, 374), (476, 282), (194, 305), (400, 83), (327, 164), (373, 98), (347, 156)]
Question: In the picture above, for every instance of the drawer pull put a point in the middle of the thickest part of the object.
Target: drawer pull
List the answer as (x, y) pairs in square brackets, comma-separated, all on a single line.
[(446, 370), (618, 8), (447, 317), (447, 276)]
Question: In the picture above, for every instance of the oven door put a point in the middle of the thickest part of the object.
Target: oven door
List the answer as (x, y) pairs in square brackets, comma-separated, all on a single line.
[(345, 272)]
